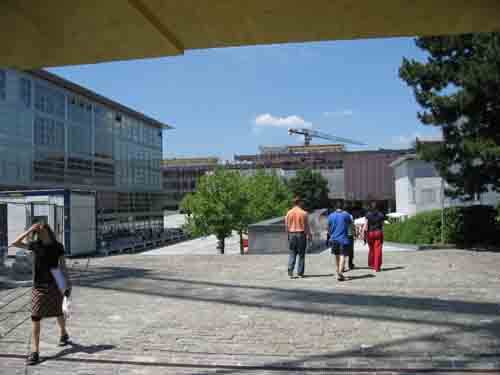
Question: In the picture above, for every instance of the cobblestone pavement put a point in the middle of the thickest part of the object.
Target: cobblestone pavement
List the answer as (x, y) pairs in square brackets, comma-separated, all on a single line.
[(206, 246), (427, 311)]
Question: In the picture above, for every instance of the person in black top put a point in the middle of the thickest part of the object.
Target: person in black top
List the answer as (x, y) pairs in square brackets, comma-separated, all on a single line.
[(350, 233), (46, 298), (374, 235)]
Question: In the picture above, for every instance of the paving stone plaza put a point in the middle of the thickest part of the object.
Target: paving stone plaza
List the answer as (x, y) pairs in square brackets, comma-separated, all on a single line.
[(427, 311)]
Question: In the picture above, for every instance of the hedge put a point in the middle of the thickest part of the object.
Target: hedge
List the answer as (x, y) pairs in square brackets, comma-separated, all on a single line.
[(463, 226)]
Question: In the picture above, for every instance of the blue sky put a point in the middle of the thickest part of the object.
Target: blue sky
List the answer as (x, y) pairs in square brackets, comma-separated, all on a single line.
[(229, 101)]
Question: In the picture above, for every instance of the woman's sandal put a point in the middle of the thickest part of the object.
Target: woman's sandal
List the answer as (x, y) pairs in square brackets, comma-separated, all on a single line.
[(64, 340), (33, 359)]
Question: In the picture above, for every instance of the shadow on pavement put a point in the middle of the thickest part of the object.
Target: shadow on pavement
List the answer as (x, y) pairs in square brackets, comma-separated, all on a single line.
[(323, 275), (396, 308), (392, 269), (366, 276), (147, 282), (77, 348)]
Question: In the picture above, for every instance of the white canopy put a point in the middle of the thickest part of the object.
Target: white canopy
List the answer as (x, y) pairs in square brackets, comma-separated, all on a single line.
[(396, 214)]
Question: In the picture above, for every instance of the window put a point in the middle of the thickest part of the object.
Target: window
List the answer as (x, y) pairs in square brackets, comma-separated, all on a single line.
[(135, 130), (428, 196), (124, 128), (139, 178), (147, 135), (159, 139), (140, 127), (3, 84), (80, 111), (411, 191), (337, 164), (49, 132), (130, 128), (79, 139), (50, 101), (103, 134), (25, 91)]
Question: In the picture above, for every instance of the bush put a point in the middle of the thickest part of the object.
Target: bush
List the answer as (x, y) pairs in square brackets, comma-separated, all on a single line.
[(424, 228), (463, 226)]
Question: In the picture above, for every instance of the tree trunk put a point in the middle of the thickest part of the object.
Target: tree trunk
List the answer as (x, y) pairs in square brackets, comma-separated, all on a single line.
[(242, 249), (221, 244)]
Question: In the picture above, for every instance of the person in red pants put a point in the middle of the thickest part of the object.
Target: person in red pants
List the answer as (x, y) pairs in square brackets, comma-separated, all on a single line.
[(374, 235)]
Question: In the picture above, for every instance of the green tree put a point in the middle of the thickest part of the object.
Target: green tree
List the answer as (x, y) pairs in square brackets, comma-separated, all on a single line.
[(240, 201), (218, 206), (458, 87), (268, 197), (311, 187)]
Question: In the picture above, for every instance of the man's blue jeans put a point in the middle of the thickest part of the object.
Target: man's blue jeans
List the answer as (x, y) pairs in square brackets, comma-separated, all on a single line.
[(297, 244)]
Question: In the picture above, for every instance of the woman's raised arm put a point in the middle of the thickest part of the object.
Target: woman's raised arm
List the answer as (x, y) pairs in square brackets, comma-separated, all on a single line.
[(19, 241)]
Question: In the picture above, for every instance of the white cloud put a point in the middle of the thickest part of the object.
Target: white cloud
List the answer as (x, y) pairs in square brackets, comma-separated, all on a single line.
[(339, 113), (268, 120), (408, 140)]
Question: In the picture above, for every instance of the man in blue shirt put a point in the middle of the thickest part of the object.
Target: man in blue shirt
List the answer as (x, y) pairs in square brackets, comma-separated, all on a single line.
[(338, 227)]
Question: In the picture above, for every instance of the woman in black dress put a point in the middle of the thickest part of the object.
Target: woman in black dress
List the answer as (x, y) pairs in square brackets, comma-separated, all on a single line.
[(46, 298)]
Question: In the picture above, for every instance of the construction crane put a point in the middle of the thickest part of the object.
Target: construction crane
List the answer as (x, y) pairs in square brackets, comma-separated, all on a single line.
[(310, 134)]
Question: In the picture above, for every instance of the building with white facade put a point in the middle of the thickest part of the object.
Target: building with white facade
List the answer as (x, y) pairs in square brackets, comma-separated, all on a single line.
[(419, 187)]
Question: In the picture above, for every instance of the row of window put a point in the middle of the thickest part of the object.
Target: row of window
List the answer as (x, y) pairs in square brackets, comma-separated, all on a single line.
[(127, 128), (138, 177), (180, 185), (127, 153), (49, 132), (49, 101), (134, 131), (79, 111), (52, 101), (15, 164)]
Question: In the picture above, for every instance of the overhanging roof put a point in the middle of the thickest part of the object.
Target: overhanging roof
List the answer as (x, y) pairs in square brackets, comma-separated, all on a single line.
[(62, 32)]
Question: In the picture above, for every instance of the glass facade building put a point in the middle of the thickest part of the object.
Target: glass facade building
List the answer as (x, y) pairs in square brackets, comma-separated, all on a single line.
[(54, 133)]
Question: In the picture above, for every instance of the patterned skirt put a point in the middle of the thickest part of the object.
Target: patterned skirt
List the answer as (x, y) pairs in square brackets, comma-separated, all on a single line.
[(46, 301)]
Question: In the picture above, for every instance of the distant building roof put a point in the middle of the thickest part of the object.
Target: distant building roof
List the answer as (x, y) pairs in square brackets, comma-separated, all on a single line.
[(402, 159), (80, 90), (188, 162), (317, 148)]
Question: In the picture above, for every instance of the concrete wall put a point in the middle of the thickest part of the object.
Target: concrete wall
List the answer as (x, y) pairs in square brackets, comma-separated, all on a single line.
[(270, 237)]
